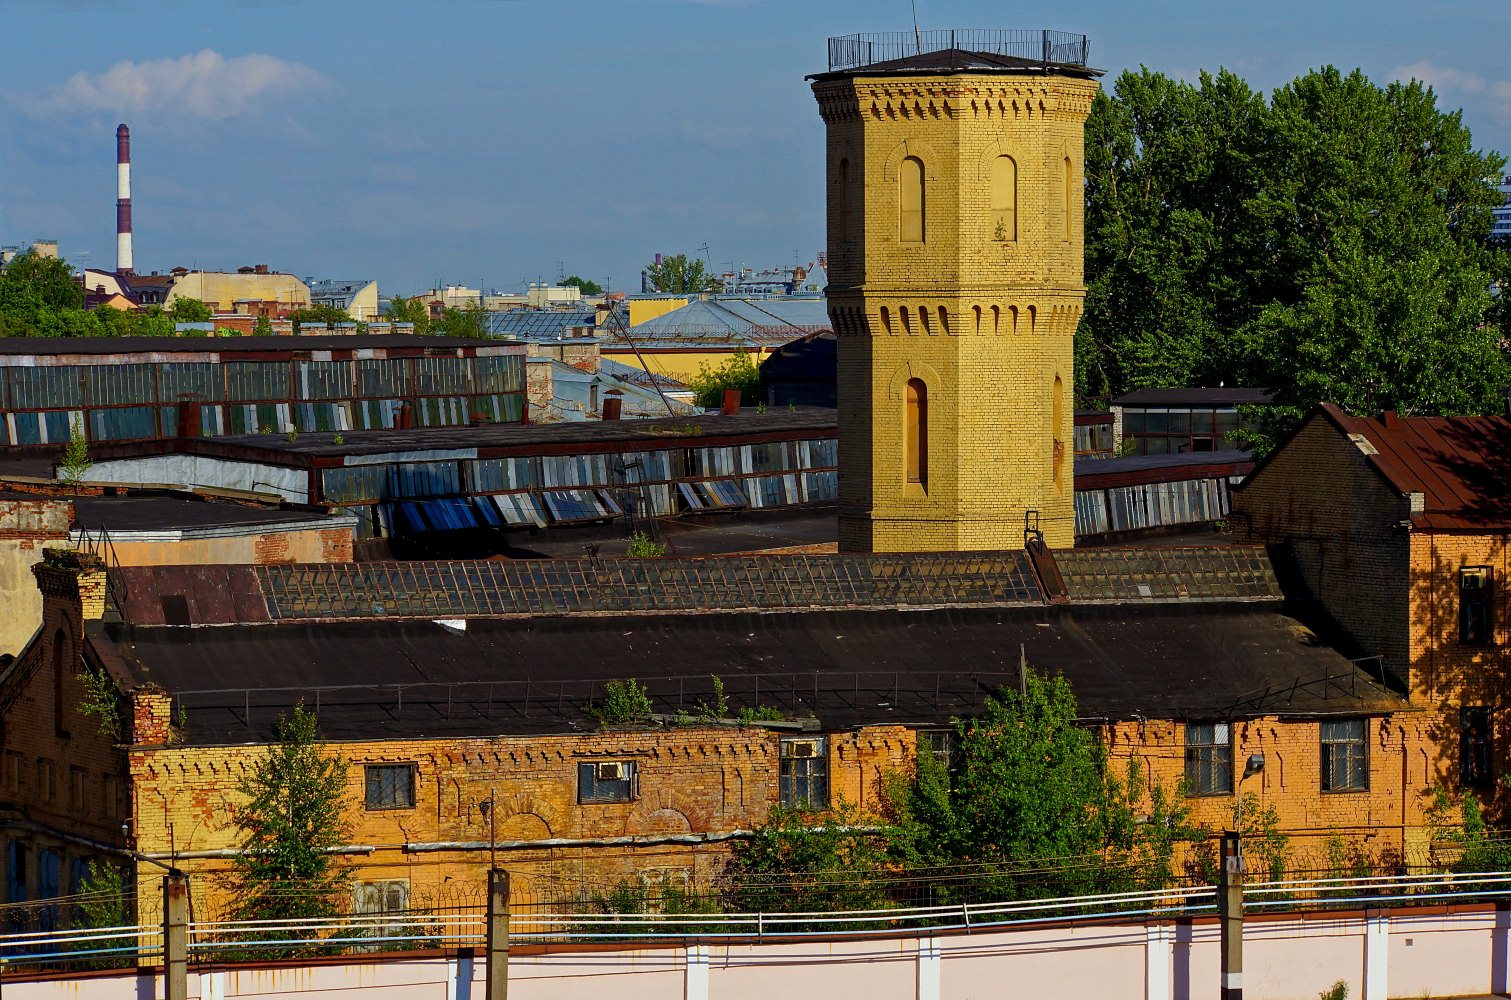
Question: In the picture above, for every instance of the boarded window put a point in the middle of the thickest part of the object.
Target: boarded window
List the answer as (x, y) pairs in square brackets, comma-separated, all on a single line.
[(1209, 759), (1345, 761), (910, 201), (1070, 191), (916, 432), (842, 199), (1004, 195), (390, 786)]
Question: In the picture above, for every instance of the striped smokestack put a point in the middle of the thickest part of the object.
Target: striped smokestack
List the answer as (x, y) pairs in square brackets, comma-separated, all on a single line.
[(123, 199)]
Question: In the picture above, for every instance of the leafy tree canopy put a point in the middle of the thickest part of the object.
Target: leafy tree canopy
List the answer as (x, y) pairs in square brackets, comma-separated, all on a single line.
[(677, 274), (469, 321), (186, 310), (327, 314), (1331, 243), (410, 310), (587, 286), (738, 371)]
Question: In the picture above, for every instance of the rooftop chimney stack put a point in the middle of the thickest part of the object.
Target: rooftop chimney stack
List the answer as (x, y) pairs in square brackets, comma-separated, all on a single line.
[(123, 200)]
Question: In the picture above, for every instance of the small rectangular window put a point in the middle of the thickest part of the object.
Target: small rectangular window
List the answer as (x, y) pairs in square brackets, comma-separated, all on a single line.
[(939, 744), (76, 781), (1345, 756), (45, 787), (390, 786), (804, 773), (1209, 759), (607, 781), (1474, 605), (1474, 746)]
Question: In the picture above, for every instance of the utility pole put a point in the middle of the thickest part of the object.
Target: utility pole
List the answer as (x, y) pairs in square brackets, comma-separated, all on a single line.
[(175, 936), (498, 935), (1230, 915)]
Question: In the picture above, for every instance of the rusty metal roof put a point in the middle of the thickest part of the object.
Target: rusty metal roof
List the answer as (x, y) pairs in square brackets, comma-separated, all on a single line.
[(1460, 465)]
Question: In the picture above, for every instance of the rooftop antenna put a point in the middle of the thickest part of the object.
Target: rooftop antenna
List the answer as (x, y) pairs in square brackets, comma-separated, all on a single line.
[(917, 36)]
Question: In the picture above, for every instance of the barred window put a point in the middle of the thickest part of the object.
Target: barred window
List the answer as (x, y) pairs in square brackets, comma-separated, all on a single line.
[(390, 786), (1345, 758), (607, 781), (804, 777), (1209, 759)]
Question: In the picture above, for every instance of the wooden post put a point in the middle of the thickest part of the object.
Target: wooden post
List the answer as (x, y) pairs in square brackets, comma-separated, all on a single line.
[(498, 935), (175, 936), (1230, 915)]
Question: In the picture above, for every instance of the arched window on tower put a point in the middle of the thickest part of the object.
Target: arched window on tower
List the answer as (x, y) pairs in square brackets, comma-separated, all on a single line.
[(1004, 194), (1057, 414), (916, 433), (910, 201), (842, 200), (1070, 177)]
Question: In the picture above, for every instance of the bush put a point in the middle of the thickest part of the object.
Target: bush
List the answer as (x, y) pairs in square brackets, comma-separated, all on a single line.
[(643, 546), (739, 371), (623, 701)]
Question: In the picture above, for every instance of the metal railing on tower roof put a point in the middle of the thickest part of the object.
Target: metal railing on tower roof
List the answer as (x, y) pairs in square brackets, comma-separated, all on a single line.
[(1047, 48)]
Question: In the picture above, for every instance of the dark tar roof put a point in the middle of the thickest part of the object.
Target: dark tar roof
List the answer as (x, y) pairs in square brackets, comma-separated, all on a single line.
[(1220, 396), (223, 345), (153, 513), (678, 431), (1106, 473), (841, 668)]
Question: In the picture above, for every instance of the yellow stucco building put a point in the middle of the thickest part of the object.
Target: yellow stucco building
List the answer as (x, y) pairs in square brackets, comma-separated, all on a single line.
[(955, 286)]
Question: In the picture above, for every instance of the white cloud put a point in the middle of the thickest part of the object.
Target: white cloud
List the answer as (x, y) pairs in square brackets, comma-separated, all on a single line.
[(203, 85), (1491, 96)]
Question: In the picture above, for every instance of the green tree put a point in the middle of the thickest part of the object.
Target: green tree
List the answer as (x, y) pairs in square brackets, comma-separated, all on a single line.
[(587, 286), (293, 815), (738, 371), (469, 321), (75, 462), (186, 310), (32, 283), (679, 274), (327, 314), (800, 861), (410, 310), (1329, 244), (263, 327)]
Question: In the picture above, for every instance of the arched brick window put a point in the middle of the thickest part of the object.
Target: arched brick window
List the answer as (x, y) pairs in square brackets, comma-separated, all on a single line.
[(1004, 196), (916, 433), (910, 201)]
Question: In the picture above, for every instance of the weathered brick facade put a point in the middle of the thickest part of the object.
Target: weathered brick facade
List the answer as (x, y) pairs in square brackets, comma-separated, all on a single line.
[(979, 310), (1390, 576)]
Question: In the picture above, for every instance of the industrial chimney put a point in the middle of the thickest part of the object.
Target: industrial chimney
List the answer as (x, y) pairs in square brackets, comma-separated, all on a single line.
[(123, 199)]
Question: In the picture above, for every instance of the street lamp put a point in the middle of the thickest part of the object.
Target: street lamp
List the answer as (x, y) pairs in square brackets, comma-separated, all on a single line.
[(1251, 767)]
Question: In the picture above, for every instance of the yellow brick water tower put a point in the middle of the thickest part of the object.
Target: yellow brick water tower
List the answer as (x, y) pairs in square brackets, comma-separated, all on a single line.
[(955, 283)]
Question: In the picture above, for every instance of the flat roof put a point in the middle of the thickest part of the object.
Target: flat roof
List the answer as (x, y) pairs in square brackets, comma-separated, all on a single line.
[(1193, 396), (839, 668), (44, 346), (151, 513)]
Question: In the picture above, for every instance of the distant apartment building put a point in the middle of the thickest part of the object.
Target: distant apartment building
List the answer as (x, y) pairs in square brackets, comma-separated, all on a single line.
[(1500, 225), (222, 290), (358, 298)]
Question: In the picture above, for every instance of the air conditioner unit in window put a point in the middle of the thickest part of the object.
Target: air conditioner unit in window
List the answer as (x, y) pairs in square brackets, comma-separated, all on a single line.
[(615, 770), (800, 748)]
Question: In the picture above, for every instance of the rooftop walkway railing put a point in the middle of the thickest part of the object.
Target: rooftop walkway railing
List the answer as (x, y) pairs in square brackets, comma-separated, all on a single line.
[(1046, 48)]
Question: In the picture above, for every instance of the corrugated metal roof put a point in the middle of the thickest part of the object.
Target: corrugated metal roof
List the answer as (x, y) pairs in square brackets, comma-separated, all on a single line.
[(748, 322), (1461, 465)]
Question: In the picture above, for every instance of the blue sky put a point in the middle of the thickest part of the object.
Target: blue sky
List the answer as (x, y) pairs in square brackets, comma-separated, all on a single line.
[(488, 140)]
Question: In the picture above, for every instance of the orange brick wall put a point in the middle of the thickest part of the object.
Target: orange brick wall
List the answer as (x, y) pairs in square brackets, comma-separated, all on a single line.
[(692, 780)]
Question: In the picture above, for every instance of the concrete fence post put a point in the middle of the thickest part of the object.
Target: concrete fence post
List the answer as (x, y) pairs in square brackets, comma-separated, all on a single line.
[(1376, 954), (695, 986), (498, 935), (1230, 915), (1159, 950), (929, 969), (175, 936)]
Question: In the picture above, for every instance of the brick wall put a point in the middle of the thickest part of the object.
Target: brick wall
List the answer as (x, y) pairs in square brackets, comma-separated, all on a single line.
[(67, 778), (1319, 497), (691, 780), (986, 323)]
